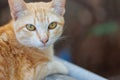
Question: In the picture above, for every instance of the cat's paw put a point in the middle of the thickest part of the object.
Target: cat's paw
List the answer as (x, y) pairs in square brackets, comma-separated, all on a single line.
[(58, 67)]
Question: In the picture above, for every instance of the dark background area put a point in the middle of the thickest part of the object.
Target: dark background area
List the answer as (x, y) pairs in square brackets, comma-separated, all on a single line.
[(91, 34)]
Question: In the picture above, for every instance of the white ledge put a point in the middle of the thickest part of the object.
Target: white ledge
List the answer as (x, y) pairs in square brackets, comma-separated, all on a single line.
[(78, 73)]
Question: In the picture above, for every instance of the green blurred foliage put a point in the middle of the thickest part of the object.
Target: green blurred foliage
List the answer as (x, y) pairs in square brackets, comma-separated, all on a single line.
[(104, 29)]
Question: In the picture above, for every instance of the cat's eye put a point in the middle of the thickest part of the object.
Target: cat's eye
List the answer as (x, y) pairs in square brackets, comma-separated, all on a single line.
[(52, 25), (30, 27)]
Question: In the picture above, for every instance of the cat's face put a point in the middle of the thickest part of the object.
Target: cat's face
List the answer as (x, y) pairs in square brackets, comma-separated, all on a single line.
[(37, 24)]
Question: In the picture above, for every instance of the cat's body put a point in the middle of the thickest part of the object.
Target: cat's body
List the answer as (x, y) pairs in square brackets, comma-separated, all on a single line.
[(32, 60)]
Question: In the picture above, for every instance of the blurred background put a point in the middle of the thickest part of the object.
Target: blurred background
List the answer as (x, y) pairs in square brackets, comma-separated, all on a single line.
[(91, 37)]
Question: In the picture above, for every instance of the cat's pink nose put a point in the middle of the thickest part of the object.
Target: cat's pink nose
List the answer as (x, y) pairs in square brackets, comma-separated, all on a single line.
[(44, 41), (44, 38)]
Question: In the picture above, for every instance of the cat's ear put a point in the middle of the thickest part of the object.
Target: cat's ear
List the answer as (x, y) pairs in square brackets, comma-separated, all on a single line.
[(59, 6), (17, 8)]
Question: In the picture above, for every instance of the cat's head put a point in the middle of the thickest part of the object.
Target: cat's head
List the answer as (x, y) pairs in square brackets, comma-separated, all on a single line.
[(37, 24)]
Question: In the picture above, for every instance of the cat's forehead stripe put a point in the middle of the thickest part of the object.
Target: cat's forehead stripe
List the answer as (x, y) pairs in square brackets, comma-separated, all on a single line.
[(40, 15), (35, 18)]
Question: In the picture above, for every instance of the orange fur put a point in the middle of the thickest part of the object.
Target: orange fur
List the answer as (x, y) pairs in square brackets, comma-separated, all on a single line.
[(25, 54), (14, 56)]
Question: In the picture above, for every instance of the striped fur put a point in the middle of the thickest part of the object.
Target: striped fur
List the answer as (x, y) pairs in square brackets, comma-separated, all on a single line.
[(22, 54)]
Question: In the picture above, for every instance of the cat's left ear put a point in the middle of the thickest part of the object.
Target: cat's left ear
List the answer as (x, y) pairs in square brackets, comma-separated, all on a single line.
[(17, 8), (59, 6)]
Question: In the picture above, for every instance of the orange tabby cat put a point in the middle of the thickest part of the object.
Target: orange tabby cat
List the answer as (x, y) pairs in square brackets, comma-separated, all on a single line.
[(26, 43)]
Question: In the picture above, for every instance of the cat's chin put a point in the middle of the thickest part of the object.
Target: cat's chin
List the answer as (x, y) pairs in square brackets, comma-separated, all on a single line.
[(43, 47)]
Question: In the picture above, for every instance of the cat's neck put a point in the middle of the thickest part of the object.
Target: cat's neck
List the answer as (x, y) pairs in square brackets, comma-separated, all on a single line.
[(48, 51)]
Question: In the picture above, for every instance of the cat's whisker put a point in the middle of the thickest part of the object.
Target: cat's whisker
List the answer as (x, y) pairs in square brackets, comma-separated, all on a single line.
[(63, 38)]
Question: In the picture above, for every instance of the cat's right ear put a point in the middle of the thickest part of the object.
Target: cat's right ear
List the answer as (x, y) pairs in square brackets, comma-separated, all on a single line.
[(17, 8), (59, 6)]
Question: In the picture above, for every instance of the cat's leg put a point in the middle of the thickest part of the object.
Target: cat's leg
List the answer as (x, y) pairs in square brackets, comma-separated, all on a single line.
[(56, 67), (51, 67)]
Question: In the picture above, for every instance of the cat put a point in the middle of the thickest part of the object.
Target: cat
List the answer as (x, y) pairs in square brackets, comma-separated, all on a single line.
[(26, 42)]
